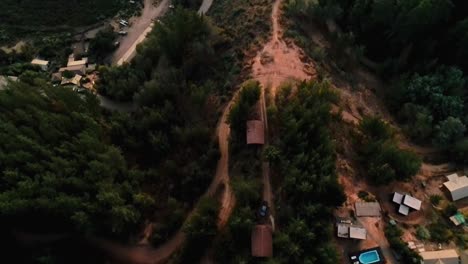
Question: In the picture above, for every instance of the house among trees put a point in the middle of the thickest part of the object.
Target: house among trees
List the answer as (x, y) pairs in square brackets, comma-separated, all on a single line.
[(457, 186), (255, 132), (43, 64), (76, 80), (262, 241), (406, 202), (449, 256), (5, 79), (77, 69)]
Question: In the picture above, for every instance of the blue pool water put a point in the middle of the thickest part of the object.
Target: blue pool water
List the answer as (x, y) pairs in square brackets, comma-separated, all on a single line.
[(369, 257)]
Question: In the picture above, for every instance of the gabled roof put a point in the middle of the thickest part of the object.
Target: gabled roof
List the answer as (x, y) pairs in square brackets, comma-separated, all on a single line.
[(455, 182), (255, 132), (448, 256), (262, 241), (412, 202), (75, 80), (77, 68)]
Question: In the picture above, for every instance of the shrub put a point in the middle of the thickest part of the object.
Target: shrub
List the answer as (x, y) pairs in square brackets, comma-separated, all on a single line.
[(440, 233), (448, 132), (435, 199), (393, 234), (422, 233)]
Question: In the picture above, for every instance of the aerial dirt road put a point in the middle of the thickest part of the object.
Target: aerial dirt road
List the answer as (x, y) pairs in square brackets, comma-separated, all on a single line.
[(140, 26), (274, 65)]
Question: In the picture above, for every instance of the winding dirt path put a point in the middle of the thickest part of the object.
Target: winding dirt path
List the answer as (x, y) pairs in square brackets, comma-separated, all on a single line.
[(149, 255)]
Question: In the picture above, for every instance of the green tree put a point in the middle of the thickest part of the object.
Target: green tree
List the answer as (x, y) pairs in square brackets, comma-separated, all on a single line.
[(242, 109), (103, 44), (448, 132)]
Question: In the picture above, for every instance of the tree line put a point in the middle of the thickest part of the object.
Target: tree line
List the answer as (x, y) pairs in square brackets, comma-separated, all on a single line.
[(418, 46)]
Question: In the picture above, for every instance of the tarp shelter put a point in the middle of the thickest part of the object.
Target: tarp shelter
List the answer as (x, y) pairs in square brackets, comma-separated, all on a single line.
[(262, 241), (458, 219), (367, 209), (255, 132), (457, 186)]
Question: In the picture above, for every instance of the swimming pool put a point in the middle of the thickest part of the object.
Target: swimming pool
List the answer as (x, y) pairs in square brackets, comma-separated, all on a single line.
[(369, 257)]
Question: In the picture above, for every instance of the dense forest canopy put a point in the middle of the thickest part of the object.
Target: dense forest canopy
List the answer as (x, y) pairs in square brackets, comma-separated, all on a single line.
[(51, 13), (309, 188), (59, 168), (406, 33)]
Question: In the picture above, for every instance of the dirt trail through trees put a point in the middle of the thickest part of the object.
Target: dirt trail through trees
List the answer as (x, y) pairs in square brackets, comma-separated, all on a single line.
[(277, 63), (149, 255)]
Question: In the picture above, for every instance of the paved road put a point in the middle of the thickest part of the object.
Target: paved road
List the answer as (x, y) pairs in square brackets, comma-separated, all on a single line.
[(137, 31), (205, 6)]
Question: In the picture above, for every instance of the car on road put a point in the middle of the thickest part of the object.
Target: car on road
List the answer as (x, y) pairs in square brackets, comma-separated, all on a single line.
[(264, 209), (117, 43), (122, 33)]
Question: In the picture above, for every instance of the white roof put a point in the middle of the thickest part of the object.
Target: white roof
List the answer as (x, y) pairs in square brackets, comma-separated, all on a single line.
[(453, 177), (412, 202), (343, 230), (404, 210), (448, 256), (397, 198), (77, 62), (458, 186), (455, 183), (357, 232), (40, 62)]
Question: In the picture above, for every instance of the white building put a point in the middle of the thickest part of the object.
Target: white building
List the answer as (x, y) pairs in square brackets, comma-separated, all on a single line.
[(406, 203), (449, 256), (457, 186), (82, 62), (43, 64), (5, 79)]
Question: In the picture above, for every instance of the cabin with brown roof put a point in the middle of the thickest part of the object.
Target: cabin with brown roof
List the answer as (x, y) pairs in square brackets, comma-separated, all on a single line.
[(262, 241), (255, 132)]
